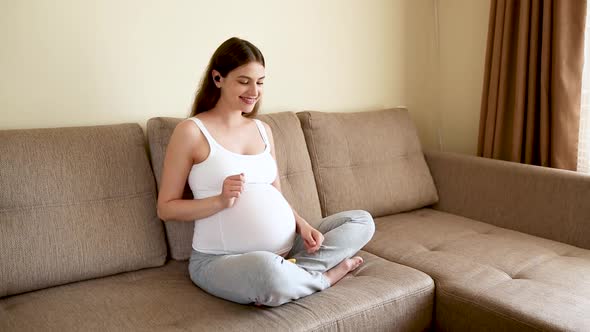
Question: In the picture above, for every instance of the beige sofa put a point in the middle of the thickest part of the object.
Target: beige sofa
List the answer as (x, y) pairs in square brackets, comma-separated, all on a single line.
[(461, 243)]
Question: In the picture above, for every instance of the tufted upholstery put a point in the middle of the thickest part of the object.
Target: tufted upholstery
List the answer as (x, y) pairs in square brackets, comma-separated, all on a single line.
[(297, 181), (75, 203), (371, 161), (490, 278)]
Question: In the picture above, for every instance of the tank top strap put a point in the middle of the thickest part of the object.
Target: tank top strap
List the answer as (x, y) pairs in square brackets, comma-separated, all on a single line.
[(262, 132), (205, 132)]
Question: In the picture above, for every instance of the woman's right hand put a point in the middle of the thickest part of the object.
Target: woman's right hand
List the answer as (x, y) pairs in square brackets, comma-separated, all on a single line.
[(233, 186)]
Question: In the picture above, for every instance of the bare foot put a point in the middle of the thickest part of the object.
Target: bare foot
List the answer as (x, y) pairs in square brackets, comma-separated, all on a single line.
[(339, 271)]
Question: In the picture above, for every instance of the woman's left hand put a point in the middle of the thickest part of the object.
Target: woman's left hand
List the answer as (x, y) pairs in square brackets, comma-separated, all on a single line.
[(312, 238)]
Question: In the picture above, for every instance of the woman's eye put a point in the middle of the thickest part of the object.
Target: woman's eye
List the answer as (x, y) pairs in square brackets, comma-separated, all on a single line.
[(260, 83), (243, 82)]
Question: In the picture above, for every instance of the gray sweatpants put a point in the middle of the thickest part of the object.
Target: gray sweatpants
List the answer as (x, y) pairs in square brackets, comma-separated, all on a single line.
[(265, 278)]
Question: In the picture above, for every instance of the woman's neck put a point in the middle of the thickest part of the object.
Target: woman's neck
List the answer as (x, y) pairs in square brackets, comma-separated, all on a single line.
[(226, 117)]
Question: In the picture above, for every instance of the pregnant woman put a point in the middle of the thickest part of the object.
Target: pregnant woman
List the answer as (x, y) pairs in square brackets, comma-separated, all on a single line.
[(244, 228)]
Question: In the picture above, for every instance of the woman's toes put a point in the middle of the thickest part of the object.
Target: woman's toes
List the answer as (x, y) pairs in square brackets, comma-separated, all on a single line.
[(356, 262)]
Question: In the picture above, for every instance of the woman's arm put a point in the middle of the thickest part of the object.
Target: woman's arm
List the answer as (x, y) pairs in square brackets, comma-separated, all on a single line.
[(185, 140)]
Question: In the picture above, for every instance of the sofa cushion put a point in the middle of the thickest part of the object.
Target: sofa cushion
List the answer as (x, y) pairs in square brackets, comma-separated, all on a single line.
[(179, 234), (379, 296), (297, 181), (368, 160), (490, 278), (76, 203)]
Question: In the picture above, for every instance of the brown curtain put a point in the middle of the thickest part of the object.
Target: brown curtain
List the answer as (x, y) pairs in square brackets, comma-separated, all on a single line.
[(530, 110)]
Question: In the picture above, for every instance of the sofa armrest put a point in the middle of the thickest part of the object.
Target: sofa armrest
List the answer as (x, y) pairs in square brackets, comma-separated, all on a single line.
[(541, 201)]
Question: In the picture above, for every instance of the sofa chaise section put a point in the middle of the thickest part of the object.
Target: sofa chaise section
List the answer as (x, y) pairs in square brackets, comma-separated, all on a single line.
[(469, 236), (490, 278)]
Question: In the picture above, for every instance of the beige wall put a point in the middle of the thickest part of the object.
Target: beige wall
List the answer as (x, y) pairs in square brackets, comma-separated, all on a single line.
[(463, 39), (446, 55), (65, 63), (421, 75), (92, 62)]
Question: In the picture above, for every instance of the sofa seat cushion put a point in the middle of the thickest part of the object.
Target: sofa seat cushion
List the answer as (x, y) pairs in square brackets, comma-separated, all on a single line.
[(378, 296), (488, 277)]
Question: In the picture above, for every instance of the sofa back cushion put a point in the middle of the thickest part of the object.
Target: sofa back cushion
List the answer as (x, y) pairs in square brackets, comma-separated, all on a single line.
[(179, 234), (297, 180), (367, 160), (75, 204)]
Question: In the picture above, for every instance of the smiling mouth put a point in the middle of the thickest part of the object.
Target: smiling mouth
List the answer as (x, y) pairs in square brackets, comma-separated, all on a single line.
[(249, 101)]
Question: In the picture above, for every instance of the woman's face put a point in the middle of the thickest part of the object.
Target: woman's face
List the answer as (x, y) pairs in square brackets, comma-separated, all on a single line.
[(242, 87)]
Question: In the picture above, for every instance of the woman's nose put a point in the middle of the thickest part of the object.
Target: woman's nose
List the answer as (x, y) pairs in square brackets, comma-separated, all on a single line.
[(253, 90)]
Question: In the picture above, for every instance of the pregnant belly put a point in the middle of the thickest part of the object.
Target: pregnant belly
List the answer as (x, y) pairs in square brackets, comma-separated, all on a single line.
[(260, 219)]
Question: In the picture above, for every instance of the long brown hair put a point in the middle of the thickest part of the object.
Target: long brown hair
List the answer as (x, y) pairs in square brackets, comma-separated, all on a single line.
[(233, 53)]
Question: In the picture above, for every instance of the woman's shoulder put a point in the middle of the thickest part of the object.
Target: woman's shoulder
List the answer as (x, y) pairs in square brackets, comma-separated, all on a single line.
[(266, 128), (187, 126), (187, 131), (264, 124)]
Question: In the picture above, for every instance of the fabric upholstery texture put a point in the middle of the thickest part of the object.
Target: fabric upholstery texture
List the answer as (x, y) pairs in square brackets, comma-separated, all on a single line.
[(489, 278), (297, 180), (179, 234), (549, 203), (379, 296), (378, 167), (76, 203)]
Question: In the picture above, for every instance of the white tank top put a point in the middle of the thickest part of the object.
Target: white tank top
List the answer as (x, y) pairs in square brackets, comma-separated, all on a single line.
[(260, 219)]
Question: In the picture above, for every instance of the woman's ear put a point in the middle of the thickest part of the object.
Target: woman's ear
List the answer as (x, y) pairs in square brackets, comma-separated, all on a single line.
[(216, 77)]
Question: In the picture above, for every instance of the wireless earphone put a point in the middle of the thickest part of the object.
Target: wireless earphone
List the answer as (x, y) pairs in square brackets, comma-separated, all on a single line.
[(217, 78)]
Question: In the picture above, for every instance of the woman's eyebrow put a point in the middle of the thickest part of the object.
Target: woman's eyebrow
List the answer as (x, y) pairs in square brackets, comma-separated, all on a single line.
[(246, 77)]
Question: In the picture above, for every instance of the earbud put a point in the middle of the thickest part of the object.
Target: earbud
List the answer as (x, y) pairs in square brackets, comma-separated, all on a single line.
[(217, 78)]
